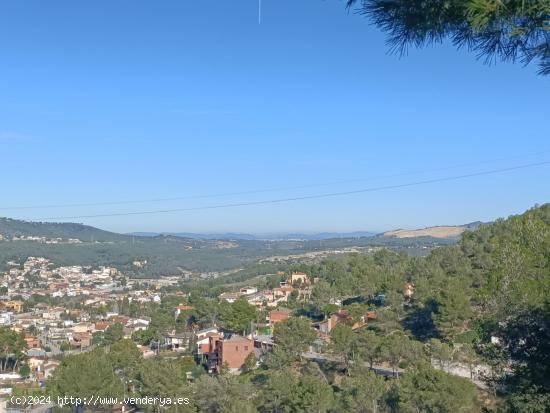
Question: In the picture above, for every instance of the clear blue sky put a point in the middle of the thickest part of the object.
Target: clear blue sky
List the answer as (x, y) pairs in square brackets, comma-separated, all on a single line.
[(125, 100)]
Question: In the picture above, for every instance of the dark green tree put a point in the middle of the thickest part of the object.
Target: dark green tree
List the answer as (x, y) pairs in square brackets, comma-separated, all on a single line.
[(284, 391), (12, 345), (24, 370), (443, 353), (344, 343), (225, 394), (113, 333), (510, 30), (526, 338), (125, 356), (294, 336), (363, 391), (433, 391), (144, 337), (250, 362), (238, 315), (398, 350), (163, 379), (86, 375), (453, 309), (369, 347)]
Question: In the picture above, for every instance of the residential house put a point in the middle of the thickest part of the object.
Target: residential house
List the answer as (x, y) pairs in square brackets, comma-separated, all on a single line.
[(263, 343), (231, 352), (48, 368), (299, 278), (83, 327), (35, 363), (258, 299), (178, 341), (32, 342), (53, 313), (137, 325), (101, 325), (181, 308), (12, 305), (230, 297), (282, 293), (82, 339), (121, 319), (202, 339), (305, 292), (343, 317), (276, 316), (5, 318), (248, 290)]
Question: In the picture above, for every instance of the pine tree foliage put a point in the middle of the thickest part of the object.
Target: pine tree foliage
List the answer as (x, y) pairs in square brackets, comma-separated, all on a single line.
[(509, 30)]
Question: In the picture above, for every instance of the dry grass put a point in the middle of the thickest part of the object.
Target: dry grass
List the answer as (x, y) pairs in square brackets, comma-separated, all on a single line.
[(435, 232)]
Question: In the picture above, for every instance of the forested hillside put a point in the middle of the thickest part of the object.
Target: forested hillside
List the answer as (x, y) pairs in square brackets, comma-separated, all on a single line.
[(484, 302), (487, 297), (10, 227), (166, 254)]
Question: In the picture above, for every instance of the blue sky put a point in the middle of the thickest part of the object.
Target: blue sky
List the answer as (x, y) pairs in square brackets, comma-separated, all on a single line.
[(125, 100)]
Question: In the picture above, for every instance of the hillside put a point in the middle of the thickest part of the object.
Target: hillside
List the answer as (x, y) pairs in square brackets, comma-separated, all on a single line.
[(261, 237), (483, 302), (443, 231), (13, 227), (170, 254), (435, 232)]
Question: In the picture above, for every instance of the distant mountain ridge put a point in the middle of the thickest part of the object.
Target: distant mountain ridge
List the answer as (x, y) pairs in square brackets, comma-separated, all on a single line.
[(260, 237), (168, 254), (11, 227)]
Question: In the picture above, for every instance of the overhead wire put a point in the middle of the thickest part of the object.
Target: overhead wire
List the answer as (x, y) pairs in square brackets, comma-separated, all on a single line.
[(258, 191), (305, 197)]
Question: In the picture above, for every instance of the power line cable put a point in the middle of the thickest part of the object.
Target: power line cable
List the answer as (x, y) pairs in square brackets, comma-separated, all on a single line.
[(264, 190), (306, 197)]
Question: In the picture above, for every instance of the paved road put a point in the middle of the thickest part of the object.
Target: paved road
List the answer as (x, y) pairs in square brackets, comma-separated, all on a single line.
[(378, 369), (47, 342), (461, 370), (22, 316), (456, 369)]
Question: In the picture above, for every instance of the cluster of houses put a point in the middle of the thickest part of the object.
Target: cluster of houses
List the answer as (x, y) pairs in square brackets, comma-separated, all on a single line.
[(219, 349), (55, 329), (43, 240), (298, 282), (50, 329), (39, 276)]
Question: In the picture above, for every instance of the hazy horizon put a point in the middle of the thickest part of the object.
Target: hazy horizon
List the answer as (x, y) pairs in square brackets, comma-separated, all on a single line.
[(272, 233)]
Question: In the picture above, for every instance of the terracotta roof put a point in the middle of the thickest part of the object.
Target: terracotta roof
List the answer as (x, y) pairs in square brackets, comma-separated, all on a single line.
[(285, 288)]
